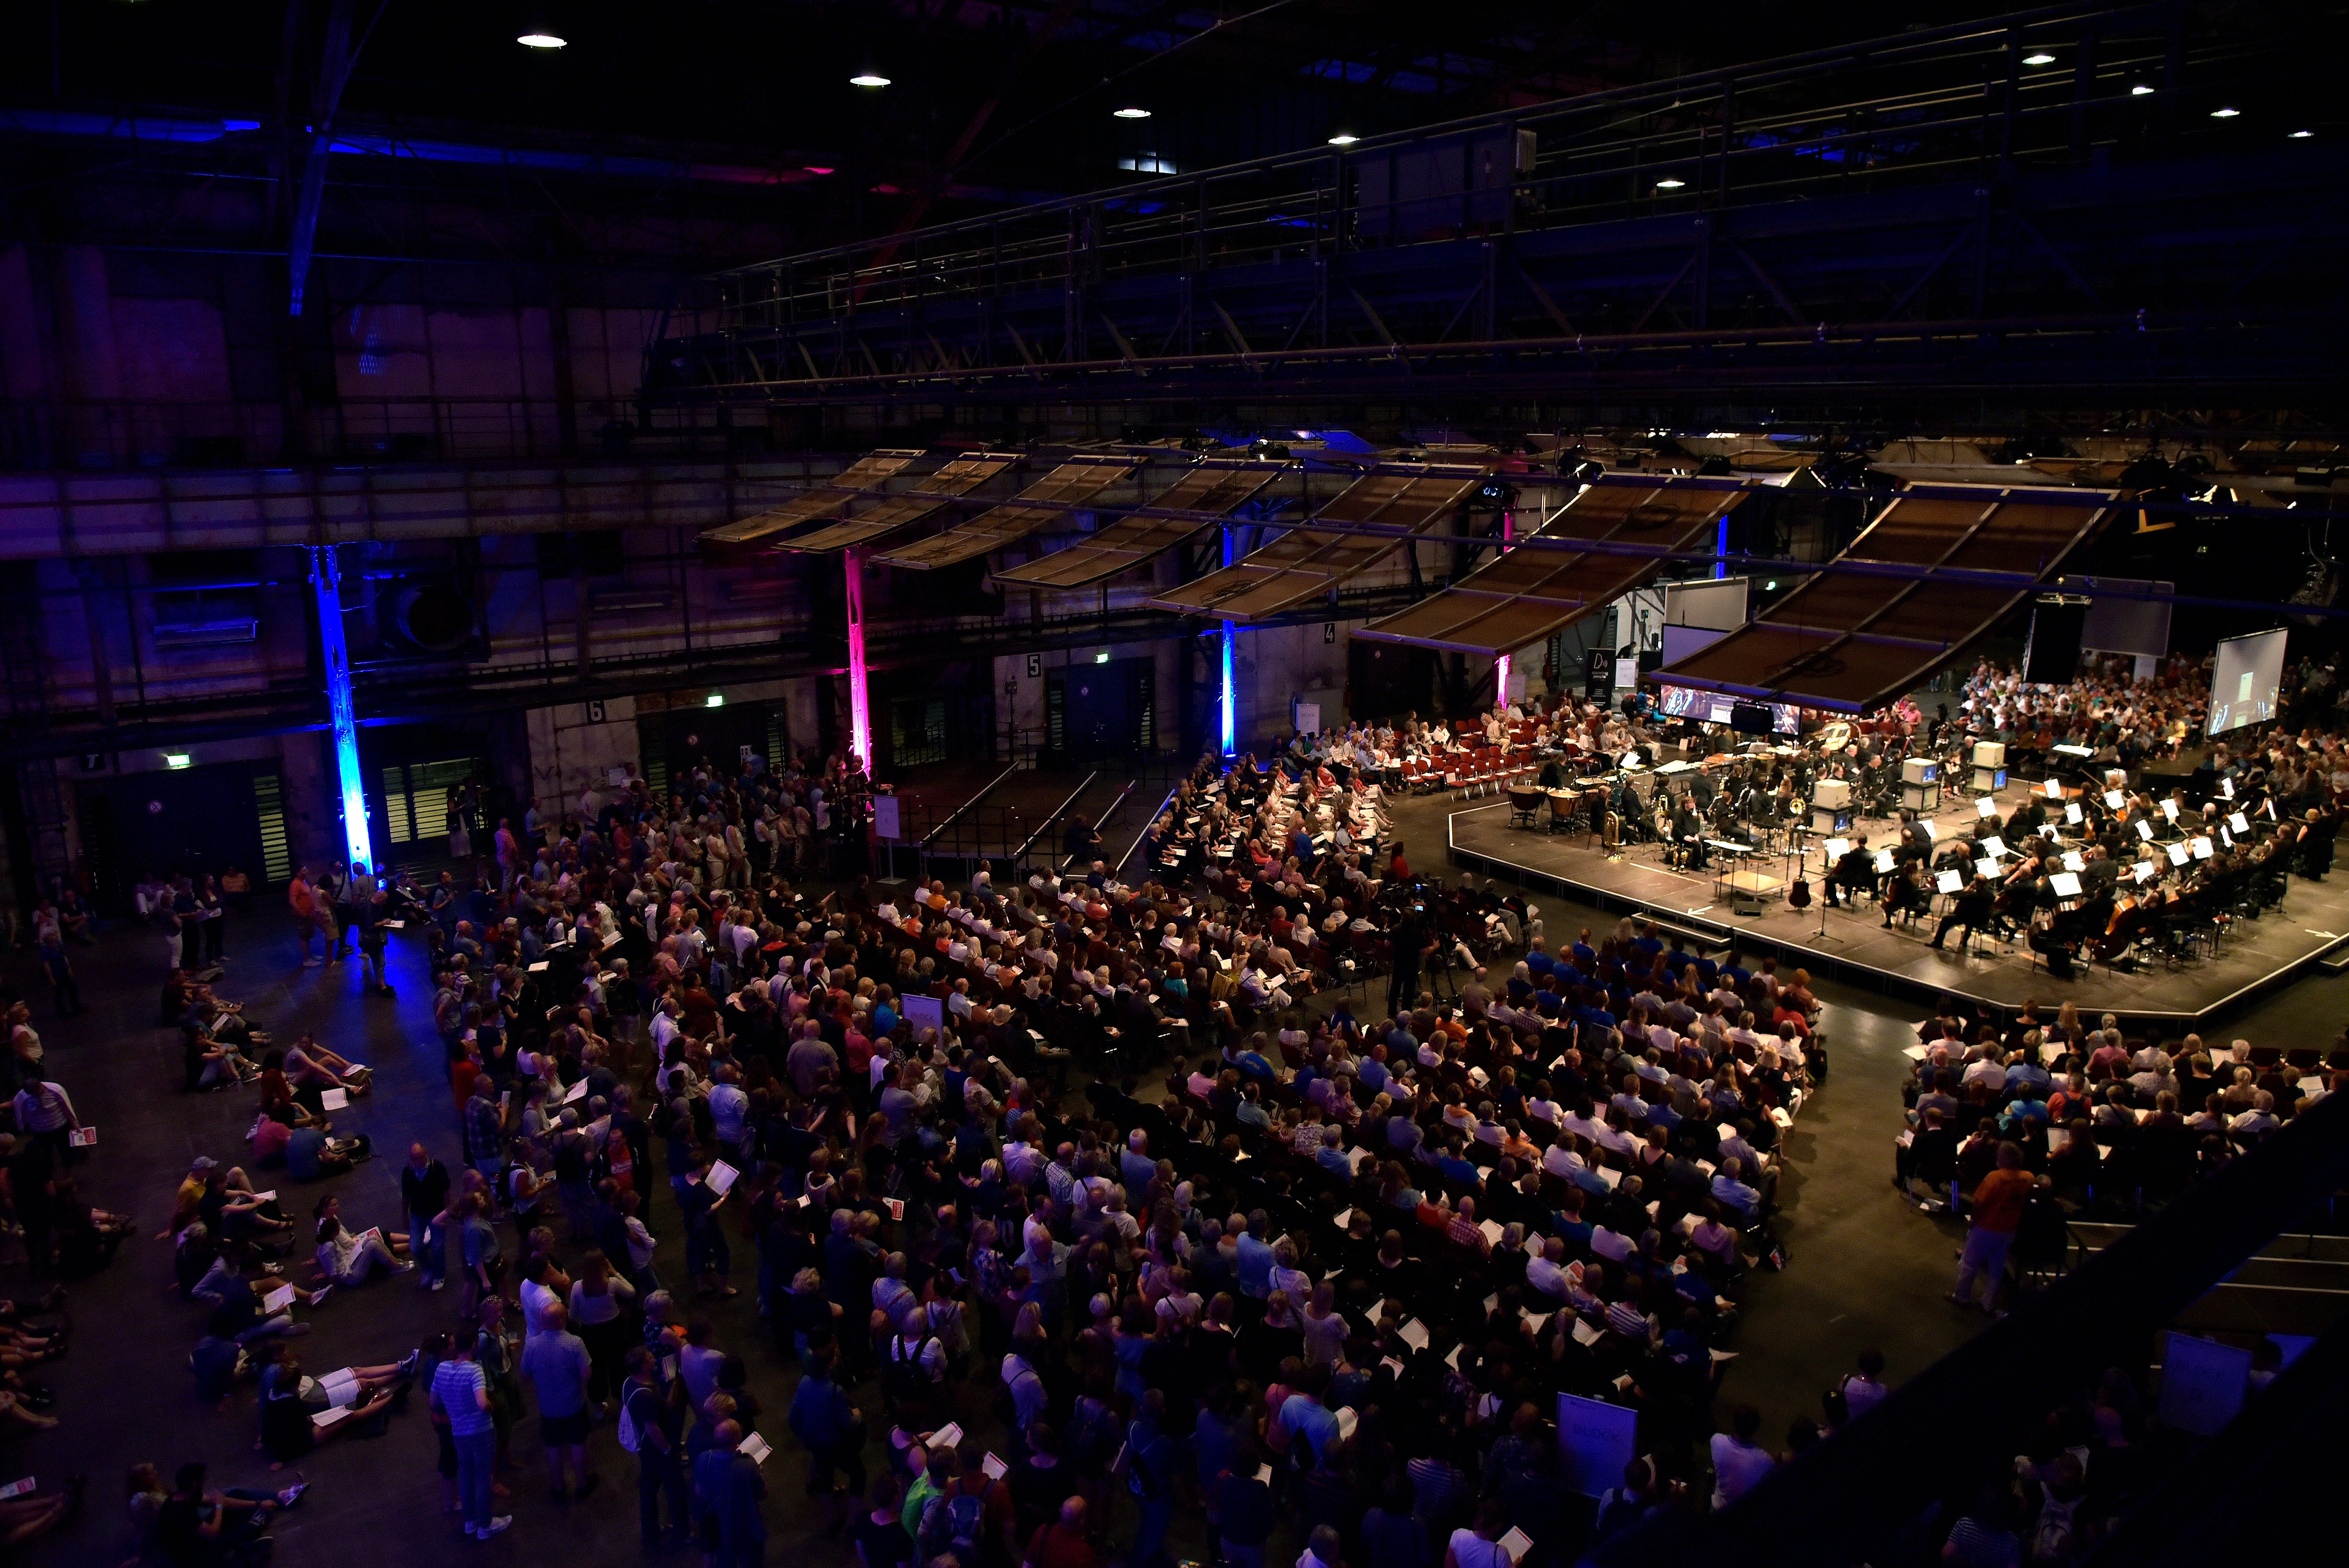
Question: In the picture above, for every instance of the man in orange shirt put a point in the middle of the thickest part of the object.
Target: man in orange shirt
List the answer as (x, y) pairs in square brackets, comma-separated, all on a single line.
[(303, 900), (1997, 1215)]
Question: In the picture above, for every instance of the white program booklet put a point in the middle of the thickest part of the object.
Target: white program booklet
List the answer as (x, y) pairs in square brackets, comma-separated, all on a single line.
[(722, 1177)]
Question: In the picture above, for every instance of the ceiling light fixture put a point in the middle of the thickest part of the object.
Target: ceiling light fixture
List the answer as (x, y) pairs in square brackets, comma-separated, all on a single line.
[(1131, 111), (812, 169), (715, 699), (868, 79), (1344, 139), (542, 41), (2140, 90), (2302, 134), (2225, 113), (2042, 58), (1669, 184)]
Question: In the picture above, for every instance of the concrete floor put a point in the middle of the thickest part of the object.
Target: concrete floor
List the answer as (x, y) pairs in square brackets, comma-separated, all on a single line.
[(1866, 1268)]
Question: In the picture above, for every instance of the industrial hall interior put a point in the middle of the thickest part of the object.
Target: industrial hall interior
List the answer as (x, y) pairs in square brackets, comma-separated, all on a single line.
[(1173, 784)]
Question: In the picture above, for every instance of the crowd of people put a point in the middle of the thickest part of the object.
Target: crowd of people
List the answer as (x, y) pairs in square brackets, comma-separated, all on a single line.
[(2019, 1126), (1266, 1219), (1307, 1269)]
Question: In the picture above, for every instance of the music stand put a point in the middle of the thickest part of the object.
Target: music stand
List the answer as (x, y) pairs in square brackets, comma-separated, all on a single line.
[(1827, 874)]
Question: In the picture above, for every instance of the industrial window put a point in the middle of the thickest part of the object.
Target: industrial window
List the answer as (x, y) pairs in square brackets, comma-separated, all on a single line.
[(416, 797), (276, 849), (918, 731)]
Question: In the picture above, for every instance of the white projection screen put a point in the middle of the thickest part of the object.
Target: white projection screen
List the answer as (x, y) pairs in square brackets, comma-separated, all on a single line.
[(2244, 681)]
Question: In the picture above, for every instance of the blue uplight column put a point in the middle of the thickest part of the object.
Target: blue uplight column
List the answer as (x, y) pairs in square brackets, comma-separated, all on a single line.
[(326, 577), (1230, 724)]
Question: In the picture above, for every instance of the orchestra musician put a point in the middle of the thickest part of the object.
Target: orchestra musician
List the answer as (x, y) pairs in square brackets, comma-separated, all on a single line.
[(1971, 910), (1688, 831), (1854, 871), (1906, 891)]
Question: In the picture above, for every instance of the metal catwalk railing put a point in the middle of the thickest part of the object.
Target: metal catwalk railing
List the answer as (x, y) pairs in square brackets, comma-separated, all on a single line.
[(2048, 87)]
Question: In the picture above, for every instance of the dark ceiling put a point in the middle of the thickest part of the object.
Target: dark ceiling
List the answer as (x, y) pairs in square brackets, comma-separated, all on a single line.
[(1006, 97)]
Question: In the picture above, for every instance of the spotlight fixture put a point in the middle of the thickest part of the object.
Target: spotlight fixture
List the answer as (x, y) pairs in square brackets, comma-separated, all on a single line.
[(542, 40), (1131, 111), (2140, 90), (2225, 113), (176, 759), (868, 79), (2302, 134), (1344, 139), (715, 699), (1669, 184), (2042, 58)]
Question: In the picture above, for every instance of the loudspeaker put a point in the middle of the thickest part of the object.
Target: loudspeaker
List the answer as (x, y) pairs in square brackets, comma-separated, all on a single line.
[(1599, 676), (2052, 658)]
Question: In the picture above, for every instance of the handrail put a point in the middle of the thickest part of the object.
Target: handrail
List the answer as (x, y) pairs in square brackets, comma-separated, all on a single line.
[(1045, 826), (956, 815), (1114, 805), (1152, 821)]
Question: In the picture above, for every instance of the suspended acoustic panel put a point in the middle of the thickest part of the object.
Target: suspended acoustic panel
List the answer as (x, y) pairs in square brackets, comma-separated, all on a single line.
[(1937, 569), (832, 499), (1307, 563), (1070, 484), (1207, 493), (958, 478), (1544, 583)]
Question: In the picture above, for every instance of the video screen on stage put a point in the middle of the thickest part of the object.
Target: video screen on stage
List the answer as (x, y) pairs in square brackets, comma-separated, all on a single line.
[(2244, 681), (1713, 708)]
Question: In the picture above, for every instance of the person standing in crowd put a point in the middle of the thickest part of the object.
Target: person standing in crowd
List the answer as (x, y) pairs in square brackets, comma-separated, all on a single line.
[(1998, 1204), (557, 1362), (302, 900), (728, 1485), (424, 1191), (654, 1414), (49, 937), (462, 1397)]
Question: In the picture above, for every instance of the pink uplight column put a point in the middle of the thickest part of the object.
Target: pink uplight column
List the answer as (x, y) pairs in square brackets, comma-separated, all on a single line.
[(860, 715), (1501, 665)]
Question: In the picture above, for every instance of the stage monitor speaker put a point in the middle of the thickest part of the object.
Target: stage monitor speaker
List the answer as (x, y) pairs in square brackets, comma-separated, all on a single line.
[(1751, 718), (2052, 655)]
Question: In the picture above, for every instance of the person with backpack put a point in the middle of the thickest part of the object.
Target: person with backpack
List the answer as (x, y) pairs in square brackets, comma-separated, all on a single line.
[(1151, 1455), (954, 1521), (652, 1428), (833, 1434), (981, 1511), (914, 1374), (2054, 1536)]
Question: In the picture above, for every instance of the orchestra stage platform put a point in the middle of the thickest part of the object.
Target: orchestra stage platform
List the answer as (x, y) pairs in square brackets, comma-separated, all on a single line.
[(1856, 948)]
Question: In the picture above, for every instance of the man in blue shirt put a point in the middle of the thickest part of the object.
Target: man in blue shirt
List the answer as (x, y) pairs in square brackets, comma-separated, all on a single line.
[(1538, 963), (1253, 1264), (1304, 1414)]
